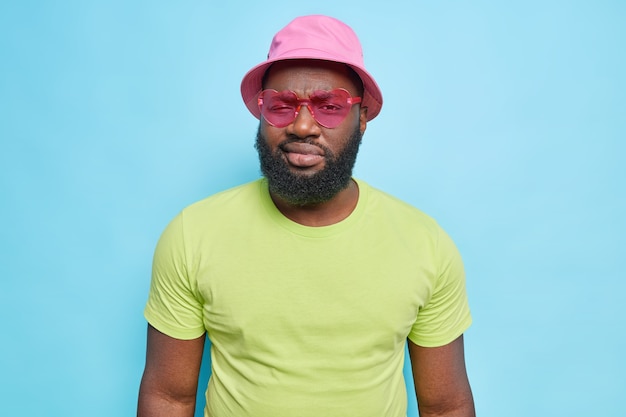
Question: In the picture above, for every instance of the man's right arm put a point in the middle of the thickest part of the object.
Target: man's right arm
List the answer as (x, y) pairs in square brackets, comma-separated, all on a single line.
[(170, 379)]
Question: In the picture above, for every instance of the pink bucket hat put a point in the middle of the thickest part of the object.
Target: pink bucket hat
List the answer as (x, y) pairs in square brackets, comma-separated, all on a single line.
[(314, 37)]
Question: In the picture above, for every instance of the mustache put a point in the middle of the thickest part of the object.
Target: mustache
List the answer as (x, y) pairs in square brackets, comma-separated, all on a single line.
[(327, 152)]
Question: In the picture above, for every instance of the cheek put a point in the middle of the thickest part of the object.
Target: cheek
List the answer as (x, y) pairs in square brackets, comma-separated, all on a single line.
[(338, 140), (356, 119), (344, 132), (272, 135)]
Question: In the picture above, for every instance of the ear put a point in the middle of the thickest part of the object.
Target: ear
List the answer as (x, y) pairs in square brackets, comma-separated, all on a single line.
[(363, 119)]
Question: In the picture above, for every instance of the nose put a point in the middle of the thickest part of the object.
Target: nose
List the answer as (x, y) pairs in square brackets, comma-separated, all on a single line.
[(304, 124)]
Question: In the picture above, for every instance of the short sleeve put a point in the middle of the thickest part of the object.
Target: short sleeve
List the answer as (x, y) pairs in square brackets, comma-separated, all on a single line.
[(446, 315), (173, 306)]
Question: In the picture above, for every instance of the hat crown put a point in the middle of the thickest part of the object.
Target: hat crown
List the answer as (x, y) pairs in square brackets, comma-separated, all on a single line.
[(325, 35)]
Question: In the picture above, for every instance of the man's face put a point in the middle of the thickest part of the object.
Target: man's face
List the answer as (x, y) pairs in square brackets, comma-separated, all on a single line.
[(304, 162)]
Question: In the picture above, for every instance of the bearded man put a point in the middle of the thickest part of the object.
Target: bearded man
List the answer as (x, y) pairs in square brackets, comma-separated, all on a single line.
[(308, 282)]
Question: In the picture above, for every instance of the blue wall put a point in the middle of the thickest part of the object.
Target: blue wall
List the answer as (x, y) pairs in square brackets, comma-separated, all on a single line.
[(503, 120)]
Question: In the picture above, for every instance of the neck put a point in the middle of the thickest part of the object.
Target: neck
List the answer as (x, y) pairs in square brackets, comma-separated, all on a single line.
[(321, 214)]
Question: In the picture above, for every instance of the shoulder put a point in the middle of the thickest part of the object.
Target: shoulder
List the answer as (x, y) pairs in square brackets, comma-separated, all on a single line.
[(215, 212), (395, 209), (408, 224), (237, 198)]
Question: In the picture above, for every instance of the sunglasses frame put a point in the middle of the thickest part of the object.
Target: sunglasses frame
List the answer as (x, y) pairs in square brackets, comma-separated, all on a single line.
[(350, 101)]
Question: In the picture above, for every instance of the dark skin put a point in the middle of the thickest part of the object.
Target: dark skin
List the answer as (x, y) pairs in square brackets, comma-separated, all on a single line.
[(440, 378), (170, 379), (169, 384), (303, 78)]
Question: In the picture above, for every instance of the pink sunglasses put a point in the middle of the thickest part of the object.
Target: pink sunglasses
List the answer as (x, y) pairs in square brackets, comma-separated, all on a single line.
[(328, 108)]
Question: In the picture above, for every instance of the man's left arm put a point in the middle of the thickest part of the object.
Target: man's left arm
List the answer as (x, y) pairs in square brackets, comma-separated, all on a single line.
[(441, 384)]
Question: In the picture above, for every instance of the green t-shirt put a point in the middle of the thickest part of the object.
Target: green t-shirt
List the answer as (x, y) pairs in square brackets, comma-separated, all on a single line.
[(307, 321)]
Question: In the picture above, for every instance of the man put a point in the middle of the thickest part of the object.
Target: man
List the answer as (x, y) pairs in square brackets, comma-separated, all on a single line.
[(307, 282)]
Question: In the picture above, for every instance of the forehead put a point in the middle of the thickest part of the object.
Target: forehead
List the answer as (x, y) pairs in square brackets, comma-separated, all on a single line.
[(306, 76)]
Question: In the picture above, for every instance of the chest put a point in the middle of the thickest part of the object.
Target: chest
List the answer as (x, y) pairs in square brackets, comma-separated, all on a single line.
[(300, 290)]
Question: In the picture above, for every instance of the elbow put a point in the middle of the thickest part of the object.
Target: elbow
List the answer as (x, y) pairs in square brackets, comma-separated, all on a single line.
[(460, 407)]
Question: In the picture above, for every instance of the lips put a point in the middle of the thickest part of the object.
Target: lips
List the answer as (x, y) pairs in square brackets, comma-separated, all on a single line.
[(302, 155)]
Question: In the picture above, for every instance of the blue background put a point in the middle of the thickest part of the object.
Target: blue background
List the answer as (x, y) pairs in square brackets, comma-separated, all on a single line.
[(503, 120)]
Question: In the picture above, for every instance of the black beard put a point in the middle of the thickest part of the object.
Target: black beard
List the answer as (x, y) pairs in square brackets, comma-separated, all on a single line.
[(303, 190)]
